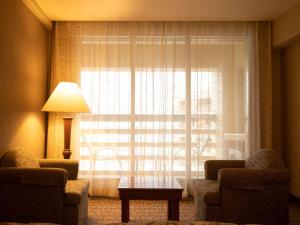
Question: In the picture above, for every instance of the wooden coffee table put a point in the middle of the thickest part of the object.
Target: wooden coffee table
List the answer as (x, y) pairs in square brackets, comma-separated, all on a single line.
[(150, 188)]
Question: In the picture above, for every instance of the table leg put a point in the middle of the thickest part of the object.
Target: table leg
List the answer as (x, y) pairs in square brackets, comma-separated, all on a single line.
[(176, 210), (173, 210), (170, 209), (125, 211)]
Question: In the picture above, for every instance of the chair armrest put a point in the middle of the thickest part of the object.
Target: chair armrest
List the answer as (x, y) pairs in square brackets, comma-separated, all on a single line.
[(212, 167), (32, 194), (37, 176), (69, 165), (252, 179)]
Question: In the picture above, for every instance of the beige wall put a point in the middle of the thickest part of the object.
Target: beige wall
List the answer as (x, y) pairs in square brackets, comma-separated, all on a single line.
[(23, 76), (286, 92), (286, 28), (291, 112)]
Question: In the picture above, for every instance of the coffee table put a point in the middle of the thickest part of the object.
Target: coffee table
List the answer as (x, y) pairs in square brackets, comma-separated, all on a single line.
[(150, 188)]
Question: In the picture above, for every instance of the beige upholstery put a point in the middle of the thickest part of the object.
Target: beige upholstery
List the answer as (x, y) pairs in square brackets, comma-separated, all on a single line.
[(39, 176), (201, 187), (232, 193), (19, 158), (43, 194), (212, 167), (69, 165), (264, 159), (74, 191)]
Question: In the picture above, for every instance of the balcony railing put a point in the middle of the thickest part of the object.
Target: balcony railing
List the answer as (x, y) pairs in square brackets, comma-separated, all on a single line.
[(164, 134)]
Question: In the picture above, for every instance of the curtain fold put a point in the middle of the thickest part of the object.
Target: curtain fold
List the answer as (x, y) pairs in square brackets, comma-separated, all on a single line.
[(265, 82), (164, 96)]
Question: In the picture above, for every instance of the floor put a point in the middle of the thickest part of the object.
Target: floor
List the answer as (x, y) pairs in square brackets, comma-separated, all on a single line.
[(104, 210)]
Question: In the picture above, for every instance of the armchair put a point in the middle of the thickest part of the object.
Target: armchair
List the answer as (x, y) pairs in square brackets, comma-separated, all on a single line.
[(239, 191), (46, 190)]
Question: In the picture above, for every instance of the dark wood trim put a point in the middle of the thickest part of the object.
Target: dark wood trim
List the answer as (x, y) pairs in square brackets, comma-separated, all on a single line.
[(131, 190), (67, 137), (173, 197), (125, 210), (46, 135)]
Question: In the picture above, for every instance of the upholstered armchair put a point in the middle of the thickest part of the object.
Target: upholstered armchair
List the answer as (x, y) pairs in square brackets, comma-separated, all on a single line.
[(46, 190), (239, 191)]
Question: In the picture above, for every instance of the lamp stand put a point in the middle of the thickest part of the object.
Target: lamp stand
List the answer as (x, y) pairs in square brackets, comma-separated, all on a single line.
[(67, 137)]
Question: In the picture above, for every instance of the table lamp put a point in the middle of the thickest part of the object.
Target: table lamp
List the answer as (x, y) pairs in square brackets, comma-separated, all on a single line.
[(68, 98)]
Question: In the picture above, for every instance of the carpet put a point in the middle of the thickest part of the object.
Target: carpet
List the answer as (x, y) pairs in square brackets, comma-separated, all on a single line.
[(107, 210)]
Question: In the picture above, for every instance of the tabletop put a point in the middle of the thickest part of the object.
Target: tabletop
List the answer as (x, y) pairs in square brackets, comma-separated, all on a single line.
[(149, 182)]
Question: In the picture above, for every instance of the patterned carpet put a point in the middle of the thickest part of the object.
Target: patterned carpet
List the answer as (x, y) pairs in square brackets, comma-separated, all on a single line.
[(104, 210)]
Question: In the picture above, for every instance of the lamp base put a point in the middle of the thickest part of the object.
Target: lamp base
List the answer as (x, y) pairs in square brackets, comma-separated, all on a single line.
[(67, 153), (67, 137)]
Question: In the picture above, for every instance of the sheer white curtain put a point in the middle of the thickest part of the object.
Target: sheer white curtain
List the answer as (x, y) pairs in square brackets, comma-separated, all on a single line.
[(164, 96)]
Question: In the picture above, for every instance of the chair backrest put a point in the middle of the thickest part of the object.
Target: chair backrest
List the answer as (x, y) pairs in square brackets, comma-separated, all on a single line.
[(28, 193), (264, 159), (19, 158)]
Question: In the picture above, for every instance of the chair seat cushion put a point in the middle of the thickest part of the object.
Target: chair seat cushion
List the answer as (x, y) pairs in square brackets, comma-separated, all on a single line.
[(19, 158), (200, 188), (74, 191)]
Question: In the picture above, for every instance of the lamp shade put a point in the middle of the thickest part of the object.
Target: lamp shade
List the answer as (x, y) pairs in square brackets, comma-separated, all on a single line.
[(66, 97)]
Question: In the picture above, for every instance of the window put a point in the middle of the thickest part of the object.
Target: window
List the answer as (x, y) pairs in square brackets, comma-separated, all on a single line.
[(161, 106)]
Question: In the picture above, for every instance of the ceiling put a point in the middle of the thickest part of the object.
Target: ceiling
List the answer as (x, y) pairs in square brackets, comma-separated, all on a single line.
[(164, 10)]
